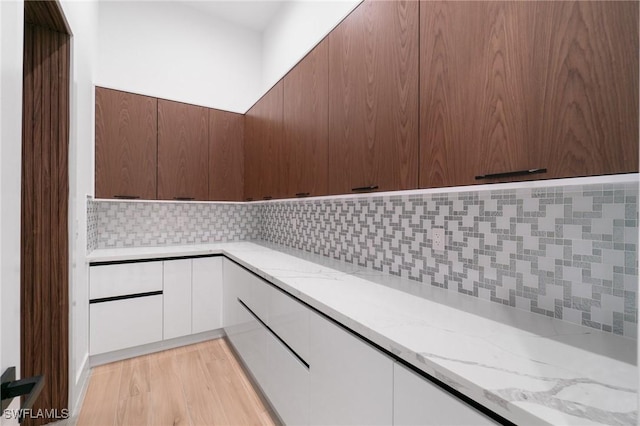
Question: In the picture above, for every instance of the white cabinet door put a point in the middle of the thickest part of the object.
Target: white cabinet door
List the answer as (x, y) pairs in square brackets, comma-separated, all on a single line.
[(177, 298), (206, 301), (250, 340), (351, 382), (287, 386), (289, 319), (235, 286), (124, 323), (124, 279), (416, 401)]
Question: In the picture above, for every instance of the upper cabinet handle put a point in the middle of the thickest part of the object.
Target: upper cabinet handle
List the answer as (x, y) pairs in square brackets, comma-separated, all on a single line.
[(183, 198), (267, 197), (126, 197), (303, 194), (512, 174), (365, 188), (249, 199)]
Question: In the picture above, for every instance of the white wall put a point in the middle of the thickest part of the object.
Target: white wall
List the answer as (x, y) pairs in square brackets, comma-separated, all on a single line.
[(11, 35), (295, 30), (171, 51), (82, 17)]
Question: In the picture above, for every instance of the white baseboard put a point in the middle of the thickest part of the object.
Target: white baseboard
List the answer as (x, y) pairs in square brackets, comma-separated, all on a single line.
[(96, 360), (81, 383)]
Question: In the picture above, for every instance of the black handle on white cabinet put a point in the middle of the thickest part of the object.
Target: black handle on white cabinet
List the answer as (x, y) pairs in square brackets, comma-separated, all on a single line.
[(126, 197), (183, 198), (511, 174), (11, 388), (365, 188)]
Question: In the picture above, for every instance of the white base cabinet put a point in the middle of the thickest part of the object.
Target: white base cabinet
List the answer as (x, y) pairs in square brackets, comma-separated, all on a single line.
[(323, 374), (124, 323), (416, 401), (177, 298), (189, 300), (351, 382)]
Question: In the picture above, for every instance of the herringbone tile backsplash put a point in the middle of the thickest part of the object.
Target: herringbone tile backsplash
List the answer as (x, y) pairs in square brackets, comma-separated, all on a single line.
[(566, 251)]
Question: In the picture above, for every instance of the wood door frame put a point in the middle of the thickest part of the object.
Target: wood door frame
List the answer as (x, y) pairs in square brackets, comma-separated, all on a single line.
[(44, 251)]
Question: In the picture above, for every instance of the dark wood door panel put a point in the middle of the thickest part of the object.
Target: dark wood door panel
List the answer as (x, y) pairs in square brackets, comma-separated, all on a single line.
[(373, 98), (126, 145), (585, 61), (44, 208), (265, 168), (474, 114), (306, 124), (183, 151), (226, 156)]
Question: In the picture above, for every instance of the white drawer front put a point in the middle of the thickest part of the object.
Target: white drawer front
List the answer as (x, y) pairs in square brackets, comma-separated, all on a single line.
[(124, 323), (123, 279), (289, 319)]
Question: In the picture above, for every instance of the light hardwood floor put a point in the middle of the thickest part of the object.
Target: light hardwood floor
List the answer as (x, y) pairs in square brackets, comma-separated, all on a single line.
[(200, 384)]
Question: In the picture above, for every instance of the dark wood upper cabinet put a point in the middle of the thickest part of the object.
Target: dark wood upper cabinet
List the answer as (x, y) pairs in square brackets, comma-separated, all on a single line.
[(265, 167), (183, 151), (584, 87), (525, 86), (306, 124), (126, 145), (373, 98), (226, 156)]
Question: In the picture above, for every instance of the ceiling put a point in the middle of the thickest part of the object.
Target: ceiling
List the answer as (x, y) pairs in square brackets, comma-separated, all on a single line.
[(252, 14)]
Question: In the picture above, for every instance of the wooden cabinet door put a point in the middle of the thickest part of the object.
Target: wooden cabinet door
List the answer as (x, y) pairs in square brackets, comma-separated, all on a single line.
[(527, 86), (183, 151), (474, 59), (585, 87), (226, 156), (306, 124), (265, 171), (126, 145), (373, 98)]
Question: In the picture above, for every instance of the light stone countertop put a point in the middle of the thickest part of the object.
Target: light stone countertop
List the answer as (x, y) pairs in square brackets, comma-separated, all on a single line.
[(528, 368)]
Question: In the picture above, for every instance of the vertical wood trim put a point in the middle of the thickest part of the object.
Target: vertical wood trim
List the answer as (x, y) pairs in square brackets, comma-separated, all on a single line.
[(44, 228)]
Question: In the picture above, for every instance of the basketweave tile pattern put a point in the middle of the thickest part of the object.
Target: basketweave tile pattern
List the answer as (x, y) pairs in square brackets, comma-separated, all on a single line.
[(564, 252), (92, 225), (138, 224)]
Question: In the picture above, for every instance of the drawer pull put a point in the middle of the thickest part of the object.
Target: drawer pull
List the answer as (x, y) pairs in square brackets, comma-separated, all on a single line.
[(270, 330), (126, 296), (183, 198), (365, 188), (303, 194), (126, 197), (267, 197), (512, 174), (249, 199)]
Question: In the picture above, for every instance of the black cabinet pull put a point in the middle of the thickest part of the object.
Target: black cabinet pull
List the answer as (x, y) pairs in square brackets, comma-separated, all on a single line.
[(365, 188), (11, 388), (512, 174), (183, 198), (126, 197), (249, 199), (303, 194), (267, 197)]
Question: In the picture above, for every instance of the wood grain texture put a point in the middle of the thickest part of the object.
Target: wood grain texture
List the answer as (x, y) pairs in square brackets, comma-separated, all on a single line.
[(306, 123), (373, 98), (473, 115), (44, 214), (183, 151), (126, 145), (226, 156), (200, 384), (46, 14), (585, 63), (527, 85), (265, 168)]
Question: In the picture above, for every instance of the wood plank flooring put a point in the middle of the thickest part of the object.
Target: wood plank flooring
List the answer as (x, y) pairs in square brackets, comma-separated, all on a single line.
[(200, 384)]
